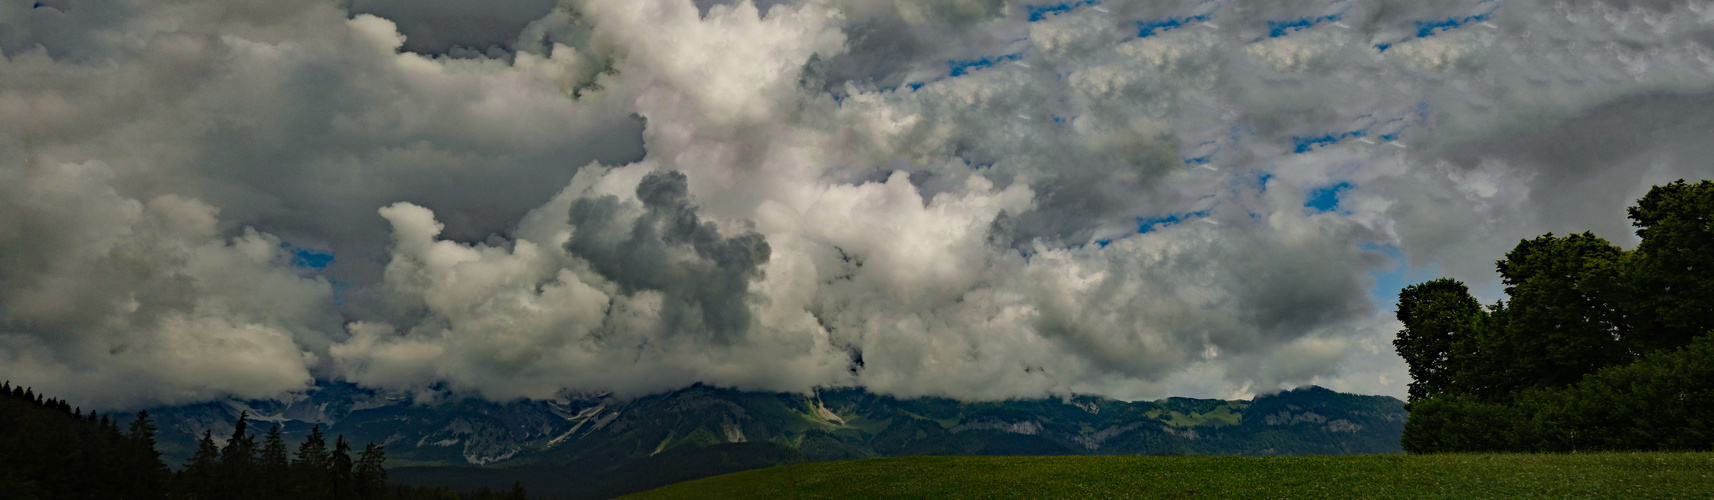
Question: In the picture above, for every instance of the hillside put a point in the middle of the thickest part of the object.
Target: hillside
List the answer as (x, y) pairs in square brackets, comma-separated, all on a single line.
[(600, 446), (1614, 475)]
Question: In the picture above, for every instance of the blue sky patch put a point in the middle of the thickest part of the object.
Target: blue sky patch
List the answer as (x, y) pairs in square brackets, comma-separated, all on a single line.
[(1041, 12), (1389, 280), (1307, 144), (1148, 224), (965, 66), (1326, 198), (1425, 29), (311, 258), (1278, 29), (1151, 27)]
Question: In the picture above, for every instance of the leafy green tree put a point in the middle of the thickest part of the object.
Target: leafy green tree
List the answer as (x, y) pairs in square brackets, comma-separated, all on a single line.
[(1567, 315), (1674, 273), (1440, 319), (1459, 423), (1596, 348), (1664, 401)]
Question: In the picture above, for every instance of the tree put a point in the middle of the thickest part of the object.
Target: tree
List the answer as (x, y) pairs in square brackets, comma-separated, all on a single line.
[(146, 475), (339, 469), (1596, 348), (272, 466), (201, 473), (369, 473), (240, 449), (1567, 316), (1661, 402), (1674, 272), (309, 470), (1440, 319), (517, 492)]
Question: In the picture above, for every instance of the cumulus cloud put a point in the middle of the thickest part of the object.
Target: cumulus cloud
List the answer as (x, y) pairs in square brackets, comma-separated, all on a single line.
[(122, 302), (976, 199)]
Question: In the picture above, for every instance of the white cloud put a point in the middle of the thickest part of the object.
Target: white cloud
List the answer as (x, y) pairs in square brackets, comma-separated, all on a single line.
[(933, 198), (118, 302)]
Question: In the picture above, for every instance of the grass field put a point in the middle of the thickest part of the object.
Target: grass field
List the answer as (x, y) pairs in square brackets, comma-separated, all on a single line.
[(1597, 475)]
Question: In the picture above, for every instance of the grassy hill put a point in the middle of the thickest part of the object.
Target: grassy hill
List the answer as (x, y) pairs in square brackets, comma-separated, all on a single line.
[(1604, 475)]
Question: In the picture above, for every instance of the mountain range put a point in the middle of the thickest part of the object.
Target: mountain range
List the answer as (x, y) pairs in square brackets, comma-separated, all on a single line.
[(601, 445)]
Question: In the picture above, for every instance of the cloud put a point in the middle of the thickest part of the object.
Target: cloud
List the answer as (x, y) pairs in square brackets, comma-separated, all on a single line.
[(119, 302), (439, 26), (971, 199)]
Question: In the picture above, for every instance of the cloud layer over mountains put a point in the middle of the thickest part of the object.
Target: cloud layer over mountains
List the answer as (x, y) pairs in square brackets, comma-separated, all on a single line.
[(969, 198)]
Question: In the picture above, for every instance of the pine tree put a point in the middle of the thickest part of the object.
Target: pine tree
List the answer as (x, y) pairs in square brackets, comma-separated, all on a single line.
[(237, 460), (309, 469), (272, 466), (200, 474), (369, 473), (339, 469), (146, 476), (517, 492)]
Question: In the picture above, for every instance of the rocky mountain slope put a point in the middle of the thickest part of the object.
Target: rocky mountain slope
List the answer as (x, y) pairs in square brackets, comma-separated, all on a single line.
[(682, 430)]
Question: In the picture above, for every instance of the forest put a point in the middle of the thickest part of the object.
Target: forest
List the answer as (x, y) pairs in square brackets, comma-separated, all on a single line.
[(1595, 348), (56, 451)]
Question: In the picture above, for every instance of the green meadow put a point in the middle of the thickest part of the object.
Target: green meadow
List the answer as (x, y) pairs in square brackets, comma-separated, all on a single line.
[(1590, 475)]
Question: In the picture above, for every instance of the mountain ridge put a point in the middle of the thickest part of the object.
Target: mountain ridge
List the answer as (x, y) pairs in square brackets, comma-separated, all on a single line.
[(828, 424)]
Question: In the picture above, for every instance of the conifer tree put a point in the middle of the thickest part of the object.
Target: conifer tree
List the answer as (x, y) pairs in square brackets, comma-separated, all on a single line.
[(517, 492), (237, 459), (202, 471), (369, 473), (272, 466), (309, 469), (146, 476), (339, 469), (240, 449)]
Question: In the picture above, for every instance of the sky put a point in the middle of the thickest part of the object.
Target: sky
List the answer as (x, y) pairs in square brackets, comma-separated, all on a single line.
[(976, 199)]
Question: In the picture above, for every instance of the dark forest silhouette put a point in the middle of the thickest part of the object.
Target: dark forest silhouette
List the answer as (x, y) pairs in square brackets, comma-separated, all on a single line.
[(52, 450)]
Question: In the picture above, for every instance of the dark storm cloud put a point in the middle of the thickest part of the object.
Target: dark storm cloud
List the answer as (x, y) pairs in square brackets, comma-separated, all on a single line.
[(439, 26), (709, 294)]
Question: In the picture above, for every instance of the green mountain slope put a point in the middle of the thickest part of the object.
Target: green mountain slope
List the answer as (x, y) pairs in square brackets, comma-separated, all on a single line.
[(702, 431)]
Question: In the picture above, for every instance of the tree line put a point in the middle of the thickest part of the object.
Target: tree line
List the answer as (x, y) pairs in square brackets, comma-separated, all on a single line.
[(1594, 348), (52, 450)]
